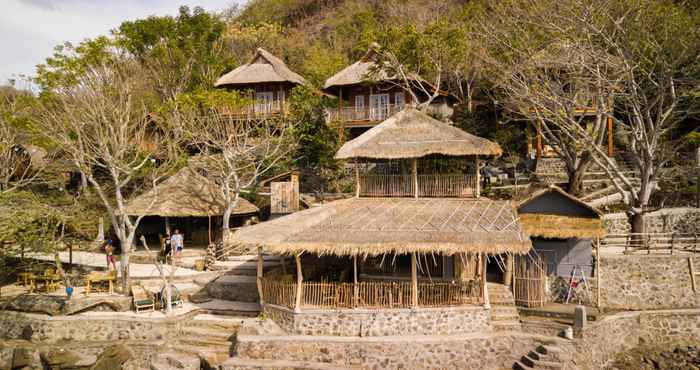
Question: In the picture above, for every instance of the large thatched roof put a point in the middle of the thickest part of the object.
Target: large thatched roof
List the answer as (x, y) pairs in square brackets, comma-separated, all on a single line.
[(553, 213), (414, 134), (185, 194), (375, 226), (264, 67)]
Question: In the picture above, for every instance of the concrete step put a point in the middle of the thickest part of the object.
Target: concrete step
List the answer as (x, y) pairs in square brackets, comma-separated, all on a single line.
[(506, 326), (209, 333), (538, 364), (240, 288), (236, 363), (186, 350), (230, 308)]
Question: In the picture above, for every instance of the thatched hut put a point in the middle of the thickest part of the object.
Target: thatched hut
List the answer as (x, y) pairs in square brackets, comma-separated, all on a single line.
[(190, 202), (563, 229), (408, 239), (267, 80)]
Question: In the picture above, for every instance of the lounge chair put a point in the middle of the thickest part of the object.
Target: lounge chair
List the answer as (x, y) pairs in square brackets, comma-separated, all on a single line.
[(175, 297), (141, 299)]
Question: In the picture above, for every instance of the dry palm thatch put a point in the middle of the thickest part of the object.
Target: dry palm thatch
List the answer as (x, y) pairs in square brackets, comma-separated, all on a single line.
[(358, 72), (377, 226), (414, 134), (562, 216), (264, 67), (185, 194)]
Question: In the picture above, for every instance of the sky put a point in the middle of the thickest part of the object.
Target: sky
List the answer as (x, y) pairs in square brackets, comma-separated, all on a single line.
[(29, 29)]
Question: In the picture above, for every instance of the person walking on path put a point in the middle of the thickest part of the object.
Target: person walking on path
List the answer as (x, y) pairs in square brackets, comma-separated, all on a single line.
[(109, 252), (177, 243)]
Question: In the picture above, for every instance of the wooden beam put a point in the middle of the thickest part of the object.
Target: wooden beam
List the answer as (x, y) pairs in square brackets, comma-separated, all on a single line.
[(414, 176), (610, 137), (477, 190), (355, 288), (539, 139), (414, 282), (300, 285), (259, 276), (485, 289)]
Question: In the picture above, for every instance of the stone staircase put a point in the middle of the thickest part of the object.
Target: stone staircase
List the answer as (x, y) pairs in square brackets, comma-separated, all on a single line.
[(204, 342), (504, 314), (546, 356)]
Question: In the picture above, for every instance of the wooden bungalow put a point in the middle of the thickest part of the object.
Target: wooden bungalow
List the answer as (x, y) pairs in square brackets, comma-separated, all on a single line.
[(268, 82), (416, 235), (367, 95), (563, 230), (190, 202)]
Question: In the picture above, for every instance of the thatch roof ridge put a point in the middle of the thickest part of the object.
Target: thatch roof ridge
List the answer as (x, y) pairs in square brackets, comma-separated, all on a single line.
[(275, 70), (560, 191), (185, 194), (414, 134), (364, 226)]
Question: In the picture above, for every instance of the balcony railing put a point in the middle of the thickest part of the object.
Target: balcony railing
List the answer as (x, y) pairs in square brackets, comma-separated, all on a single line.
[(257, 110), (459, 186), (363, 114)]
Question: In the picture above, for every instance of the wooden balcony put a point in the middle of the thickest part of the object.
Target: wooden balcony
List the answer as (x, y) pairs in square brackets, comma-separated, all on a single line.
[(362, 116), (429, 186), (275, 108)]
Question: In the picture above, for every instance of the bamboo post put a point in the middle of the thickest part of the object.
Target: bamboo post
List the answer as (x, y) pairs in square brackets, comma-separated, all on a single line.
[(485, 290), (414, 176), (508, 273), (610, 137), (414, 282), (357, 180), (597, 272), (300, 280), (692, 273), (259, 276), (355, 292), (477, 191)]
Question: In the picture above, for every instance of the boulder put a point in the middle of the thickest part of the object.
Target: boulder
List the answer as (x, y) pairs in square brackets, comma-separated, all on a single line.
[(26, 358), (59, 358), (6, 358), (112, 358)]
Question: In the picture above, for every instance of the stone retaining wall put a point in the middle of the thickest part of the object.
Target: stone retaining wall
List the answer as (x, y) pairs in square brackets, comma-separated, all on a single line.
[(384, 322), (647, 282), (669, 220)]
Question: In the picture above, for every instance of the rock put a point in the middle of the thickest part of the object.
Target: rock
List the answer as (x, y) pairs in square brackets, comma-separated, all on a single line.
[(26, 357), (60, 358), (112, 358), (6, 358), (59, 305)]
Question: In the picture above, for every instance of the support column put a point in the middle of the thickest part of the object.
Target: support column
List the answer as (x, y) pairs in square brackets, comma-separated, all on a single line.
[(300, 286), (485, 289), (167, 225), (477, 190), (259, 276), (414, 282), (539, 139), (597, 272), (357, 180), (355, 288), (414, 176), (341, 118), (508, 273), (610, 137)]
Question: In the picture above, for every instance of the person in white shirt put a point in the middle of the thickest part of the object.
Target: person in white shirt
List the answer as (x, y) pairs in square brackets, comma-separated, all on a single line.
[(177, 242)]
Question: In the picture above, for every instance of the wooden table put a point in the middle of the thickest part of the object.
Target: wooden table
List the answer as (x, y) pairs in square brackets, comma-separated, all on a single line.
[(27, 279), (96, 280), (50, 282)]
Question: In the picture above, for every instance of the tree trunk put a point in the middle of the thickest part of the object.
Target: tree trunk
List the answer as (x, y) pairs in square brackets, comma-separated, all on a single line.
[(124, 267), (575, 186), (636, 221)]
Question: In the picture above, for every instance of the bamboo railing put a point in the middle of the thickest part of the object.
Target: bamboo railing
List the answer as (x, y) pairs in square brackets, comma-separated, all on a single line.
[(367, 114), (375, 295), (459, 186), (661, 243), (529, 279)]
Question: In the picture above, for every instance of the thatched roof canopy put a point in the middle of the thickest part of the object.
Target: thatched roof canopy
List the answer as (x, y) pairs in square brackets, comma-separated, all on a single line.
[(553, 213), (264, 67), (185, 194), (376, 226), (414, 134)]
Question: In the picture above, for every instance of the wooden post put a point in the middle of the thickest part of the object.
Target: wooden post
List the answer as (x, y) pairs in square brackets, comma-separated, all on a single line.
[(259, 276), (357, 180), (341, 119), (610, 137), (539, 139), (485, 289), (477, 191), (70, 257), (597, 272), (508, 273), (692, 273), (414, 282), (355, 288), (414, 176), (167, 225), (300, 287)]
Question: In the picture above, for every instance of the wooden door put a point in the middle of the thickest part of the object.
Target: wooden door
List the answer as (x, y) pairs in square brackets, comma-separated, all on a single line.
[(529, 280), (284, 197)]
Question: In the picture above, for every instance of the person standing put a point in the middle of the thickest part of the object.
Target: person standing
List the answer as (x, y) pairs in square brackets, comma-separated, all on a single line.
[(177, 243), (108, 247)]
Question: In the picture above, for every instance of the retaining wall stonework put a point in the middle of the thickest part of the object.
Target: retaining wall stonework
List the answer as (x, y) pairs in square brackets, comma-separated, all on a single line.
[(668, 220), (385, 322), (647, 282)]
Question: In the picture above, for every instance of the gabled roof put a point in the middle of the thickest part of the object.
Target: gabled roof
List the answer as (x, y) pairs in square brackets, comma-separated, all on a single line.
[(414, 134), (357, 72), (376, 226), (553, 213), (264, 67), (185, 194)]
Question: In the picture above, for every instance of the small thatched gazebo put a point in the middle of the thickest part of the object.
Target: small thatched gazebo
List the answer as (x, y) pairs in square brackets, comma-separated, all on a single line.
[(562, 228), (189, 200)]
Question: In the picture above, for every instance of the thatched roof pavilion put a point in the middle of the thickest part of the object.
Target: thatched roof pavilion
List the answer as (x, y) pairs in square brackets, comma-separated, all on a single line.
[(262, 68), (185, 194), (414, 134), (377, 226), (553, 213)]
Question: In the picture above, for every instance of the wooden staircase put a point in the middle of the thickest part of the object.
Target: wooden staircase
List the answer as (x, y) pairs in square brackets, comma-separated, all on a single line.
[(504, 314)]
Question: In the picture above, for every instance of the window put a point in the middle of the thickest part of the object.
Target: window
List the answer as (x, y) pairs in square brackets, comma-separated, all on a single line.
[(378, 107), (399, 101), (359, 103), (264, 101)]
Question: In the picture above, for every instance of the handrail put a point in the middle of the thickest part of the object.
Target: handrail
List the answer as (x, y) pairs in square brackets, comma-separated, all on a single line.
[(653, 242), (438, 185), (371, 113)]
